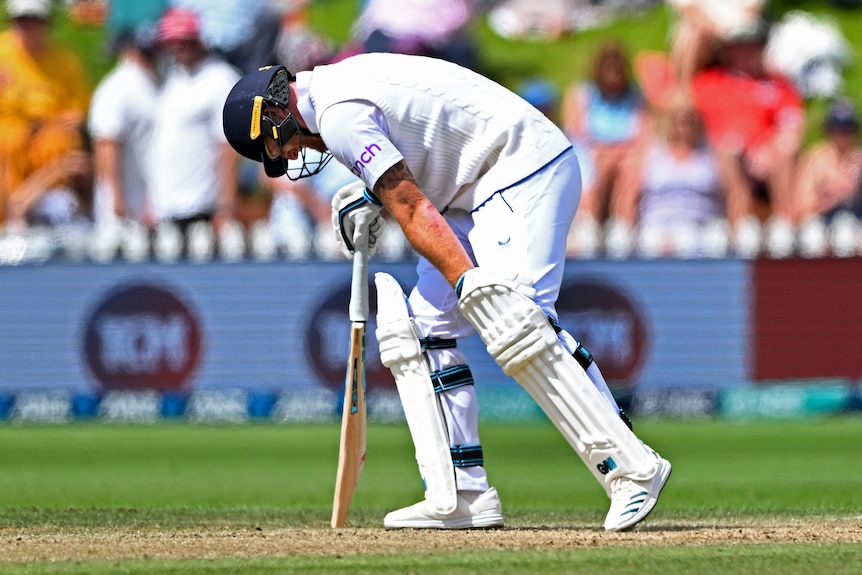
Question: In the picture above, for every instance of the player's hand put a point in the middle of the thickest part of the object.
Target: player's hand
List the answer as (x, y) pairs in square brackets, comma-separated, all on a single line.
[(356, 218)]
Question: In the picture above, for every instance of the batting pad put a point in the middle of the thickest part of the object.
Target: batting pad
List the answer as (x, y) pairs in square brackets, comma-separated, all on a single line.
[(519, 337), (401, 352)]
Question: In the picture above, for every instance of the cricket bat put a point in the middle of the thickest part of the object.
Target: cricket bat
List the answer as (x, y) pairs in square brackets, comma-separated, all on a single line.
[(351, 455)]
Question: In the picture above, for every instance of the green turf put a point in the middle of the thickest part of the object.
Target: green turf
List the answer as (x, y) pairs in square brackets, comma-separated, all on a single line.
[(285, 473), (273, 476)]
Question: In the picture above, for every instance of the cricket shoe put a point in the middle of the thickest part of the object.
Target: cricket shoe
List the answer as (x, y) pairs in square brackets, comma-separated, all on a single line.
[(632, 501), (475, 510)]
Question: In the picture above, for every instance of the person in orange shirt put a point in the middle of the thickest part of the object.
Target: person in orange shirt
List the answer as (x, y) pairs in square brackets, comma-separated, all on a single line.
[(44, 95), (755, 119)]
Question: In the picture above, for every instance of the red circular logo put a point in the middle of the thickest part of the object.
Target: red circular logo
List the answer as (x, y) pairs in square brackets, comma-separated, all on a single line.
[(142, 336), (327, 339), (610, 325)]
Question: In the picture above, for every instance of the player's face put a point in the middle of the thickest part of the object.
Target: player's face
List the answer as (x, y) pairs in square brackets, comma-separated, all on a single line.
[(292, 148), (187, 52), (279, 148), (289, 150)]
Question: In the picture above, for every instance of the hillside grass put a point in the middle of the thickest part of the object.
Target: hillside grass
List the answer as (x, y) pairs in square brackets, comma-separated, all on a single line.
[(511, 62)]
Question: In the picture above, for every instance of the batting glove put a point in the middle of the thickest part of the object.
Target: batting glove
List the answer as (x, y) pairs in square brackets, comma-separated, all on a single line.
[(356, 218)]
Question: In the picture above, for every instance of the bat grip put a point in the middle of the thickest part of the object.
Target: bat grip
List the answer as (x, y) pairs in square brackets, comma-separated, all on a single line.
[(358, 308)]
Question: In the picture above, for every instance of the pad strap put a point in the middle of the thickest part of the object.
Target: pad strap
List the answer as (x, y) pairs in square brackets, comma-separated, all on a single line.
[(437, 343), (451, 378), (584, 357), (467, 455)]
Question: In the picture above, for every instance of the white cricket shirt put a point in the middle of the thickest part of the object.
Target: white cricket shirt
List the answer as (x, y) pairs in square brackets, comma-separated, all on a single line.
[(463, 136)]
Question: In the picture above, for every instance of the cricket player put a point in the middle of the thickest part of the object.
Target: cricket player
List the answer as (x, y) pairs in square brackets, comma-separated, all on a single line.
[(485, 188)]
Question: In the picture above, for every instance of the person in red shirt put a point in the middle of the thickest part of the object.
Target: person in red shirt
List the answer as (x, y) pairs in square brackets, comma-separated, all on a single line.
[(755, 119)]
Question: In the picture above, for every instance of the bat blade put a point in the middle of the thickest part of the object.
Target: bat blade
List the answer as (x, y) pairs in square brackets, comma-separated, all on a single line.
[(351, 456)]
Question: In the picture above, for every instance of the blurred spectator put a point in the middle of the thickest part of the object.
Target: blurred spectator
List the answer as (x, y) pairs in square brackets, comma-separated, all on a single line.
[(58, 193), (544, 96), (193, 176), (43, 96), (673, 177), (298, 47), (830, 173), (545, 20), (243, 31), (550, 19), (124, 15), (755, 117), (811, 51), (437, 28), (121, 118), (603, 117), (702, 26), (87, 12)]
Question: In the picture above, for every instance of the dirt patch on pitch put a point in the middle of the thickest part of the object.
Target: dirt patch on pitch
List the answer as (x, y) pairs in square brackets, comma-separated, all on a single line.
[(54, 544)]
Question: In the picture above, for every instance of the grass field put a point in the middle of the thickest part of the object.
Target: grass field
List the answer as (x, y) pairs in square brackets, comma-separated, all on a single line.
[(767, 497)]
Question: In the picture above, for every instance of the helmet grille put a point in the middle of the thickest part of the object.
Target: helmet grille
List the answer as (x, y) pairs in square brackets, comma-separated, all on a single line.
[(278, 88)]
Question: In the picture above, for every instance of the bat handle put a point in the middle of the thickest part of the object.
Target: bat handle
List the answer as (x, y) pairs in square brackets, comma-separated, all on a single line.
[(358, 309)]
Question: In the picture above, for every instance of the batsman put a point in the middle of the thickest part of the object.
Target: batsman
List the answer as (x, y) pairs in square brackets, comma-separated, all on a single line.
[(485, 188)]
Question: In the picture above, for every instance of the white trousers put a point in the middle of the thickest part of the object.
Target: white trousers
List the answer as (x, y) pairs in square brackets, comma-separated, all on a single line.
[(523, 230)]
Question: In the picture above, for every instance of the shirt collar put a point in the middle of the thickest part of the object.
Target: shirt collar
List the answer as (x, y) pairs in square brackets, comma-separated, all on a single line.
[(304, 102)]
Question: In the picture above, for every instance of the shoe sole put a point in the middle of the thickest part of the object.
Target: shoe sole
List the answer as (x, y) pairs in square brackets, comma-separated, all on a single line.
[(664, 472), (488, 522)]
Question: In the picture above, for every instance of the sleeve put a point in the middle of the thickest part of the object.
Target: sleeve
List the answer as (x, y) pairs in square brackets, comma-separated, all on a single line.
[(106, 121), (357, 134)]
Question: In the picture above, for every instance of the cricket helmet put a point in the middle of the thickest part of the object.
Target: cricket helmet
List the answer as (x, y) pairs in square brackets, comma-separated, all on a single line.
[(257, 106)]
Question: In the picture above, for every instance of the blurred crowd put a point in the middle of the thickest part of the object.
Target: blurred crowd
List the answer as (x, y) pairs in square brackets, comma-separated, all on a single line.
[(699, 149)]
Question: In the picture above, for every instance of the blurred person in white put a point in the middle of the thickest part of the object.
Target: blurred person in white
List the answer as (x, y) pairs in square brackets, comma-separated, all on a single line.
[(603, 117), (244, 32), (674, 178), (437, 28), (829, 179), (121, 118), (193, 175)]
